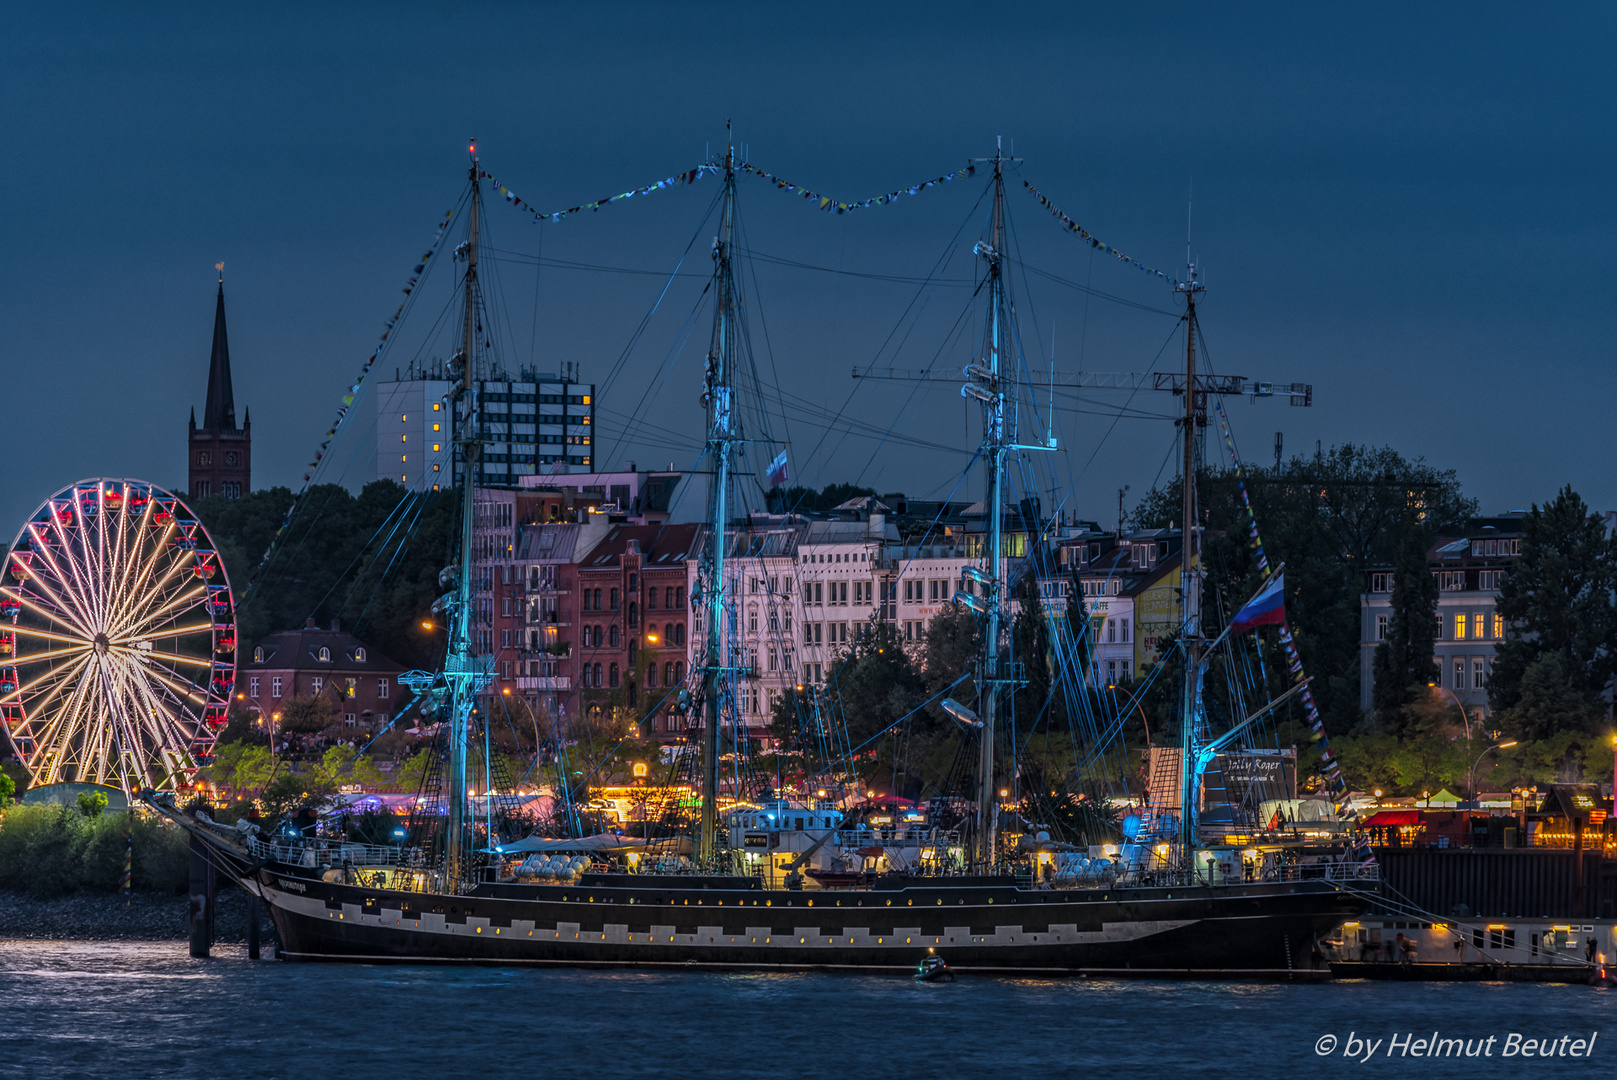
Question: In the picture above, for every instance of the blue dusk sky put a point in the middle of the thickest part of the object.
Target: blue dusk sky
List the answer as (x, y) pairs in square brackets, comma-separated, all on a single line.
[(1407, 206)]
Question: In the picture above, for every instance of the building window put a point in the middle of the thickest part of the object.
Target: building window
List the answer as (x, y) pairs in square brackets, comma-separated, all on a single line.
[(352, 686), (651, 676), (382, 687), (1488, 580), (1451, 580), (668, 673), (1498, 627), (773, 660), (204, 457), (612, 673), (1381, 628), (1438, 634), (203, 487), (258, 655), (275, 686), (1459, 626), (252, 686), (350, 720), (614, 598), (1459, 674), (1479, 673), (1479, 625), (231, 458), (230, 489), (612, 636), (325, 653), (1381, 583), (319, 684)]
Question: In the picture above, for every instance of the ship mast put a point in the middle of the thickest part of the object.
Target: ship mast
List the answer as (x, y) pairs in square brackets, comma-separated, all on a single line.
[(989, 388), (718, 396), (1192, 640), (461, 671)]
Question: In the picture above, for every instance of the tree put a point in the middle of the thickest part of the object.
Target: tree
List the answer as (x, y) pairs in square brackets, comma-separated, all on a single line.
[(91, 803), (308, 715), (7, 789), (1558, 601), (1403, 666), (1329, 518)]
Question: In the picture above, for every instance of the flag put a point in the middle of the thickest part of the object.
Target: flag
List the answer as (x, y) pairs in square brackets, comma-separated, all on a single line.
[(1268, 608), (777, 472)]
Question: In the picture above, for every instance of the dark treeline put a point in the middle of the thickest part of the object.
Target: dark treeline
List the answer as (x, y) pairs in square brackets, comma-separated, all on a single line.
[(370, 560)]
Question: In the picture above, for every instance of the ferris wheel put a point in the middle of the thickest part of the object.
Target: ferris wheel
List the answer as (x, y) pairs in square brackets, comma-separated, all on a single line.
[(117, 638)]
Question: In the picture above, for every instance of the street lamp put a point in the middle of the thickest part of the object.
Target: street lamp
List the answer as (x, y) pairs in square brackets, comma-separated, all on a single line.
[(1457, 704), (1471, 775)]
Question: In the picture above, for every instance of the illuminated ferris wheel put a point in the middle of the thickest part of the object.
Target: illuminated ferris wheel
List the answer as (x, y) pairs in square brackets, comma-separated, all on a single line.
[(117, 638)]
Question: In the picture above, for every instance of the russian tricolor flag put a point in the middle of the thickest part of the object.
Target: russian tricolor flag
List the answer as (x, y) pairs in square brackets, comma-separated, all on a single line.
[(1268, 608)]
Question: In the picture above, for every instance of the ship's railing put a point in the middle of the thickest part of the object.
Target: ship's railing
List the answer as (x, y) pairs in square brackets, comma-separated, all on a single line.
[(857, 838), (315, 853), (1344, 872)]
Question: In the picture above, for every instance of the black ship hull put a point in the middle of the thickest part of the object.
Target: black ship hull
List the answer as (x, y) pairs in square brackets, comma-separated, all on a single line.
[(651, 921)]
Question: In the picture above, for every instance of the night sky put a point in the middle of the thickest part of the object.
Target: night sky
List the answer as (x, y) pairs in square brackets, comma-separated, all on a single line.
[(1407, 206)]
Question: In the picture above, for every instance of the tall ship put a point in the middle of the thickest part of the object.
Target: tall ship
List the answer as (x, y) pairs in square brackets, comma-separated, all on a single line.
[(1158, 884)]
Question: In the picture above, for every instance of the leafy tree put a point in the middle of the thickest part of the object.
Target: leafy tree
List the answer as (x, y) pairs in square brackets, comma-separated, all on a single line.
[(370, 560), (1328, 518), (7, 789), (308, 715), (1548, 701), (1559, 601), (91, 803), (242, 768), (1403, 666)]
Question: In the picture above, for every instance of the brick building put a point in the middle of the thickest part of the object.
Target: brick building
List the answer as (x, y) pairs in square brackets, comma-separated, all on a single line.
[(219, 454), (360, 681)]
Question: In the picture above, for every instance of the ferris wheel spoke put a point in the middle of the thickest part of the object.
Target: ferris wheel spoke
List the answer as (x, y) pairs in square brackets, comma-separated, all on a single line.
[(173, 658), (50, 742), (167, 632), (177, 683), (176, 605), (144, 592), (78, 649), (75, 618), (46, 635), (152, 564), (69, 596)]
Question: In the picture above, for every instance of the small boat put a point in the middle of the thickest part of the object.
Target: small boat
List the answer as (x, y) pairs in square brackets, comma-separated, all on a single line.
[(933, 969)]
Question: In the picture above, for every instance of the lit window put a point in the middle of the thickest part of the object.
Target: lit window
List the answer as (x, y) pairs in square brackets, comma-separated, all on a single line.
[(1479, 627), (325, 653), (404, 438), (359, 655), (436, 406), (352, 689), (435, 468), (435, 427), (434, 448), (404, 416), (1498, 626), (1459, 627), (404, 457), (586, 399)]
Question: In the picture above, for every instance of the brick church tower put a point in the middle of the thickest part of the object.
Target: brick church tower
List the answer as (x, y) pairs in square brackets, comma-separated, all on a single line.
[(220, 460)]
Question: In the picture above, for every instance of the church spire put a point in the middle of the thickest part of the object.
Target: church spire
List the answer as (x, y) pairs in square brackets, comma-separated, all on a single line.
[(219, 412)]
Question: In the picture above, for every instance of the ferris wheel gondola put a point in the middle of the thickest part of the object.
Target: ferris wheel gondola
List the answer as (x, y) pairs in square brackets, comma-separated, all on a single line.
[(117, 638)]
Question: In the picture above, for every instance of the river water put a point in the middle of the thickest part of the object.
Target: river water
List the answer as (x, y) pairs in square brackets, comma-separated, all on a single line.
[(144, 1009)]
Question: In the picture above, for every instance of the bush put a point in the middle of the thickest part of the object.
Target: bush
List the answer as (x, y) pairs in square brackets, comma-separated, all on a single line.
[(55, 850)]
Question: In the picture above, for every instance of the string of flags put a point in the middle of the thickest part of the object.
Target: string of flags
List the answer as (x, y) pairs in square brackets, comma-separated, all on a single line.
[(1083, 234), (690, 176), (351, 394), (832, 206), (1330, 766)]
